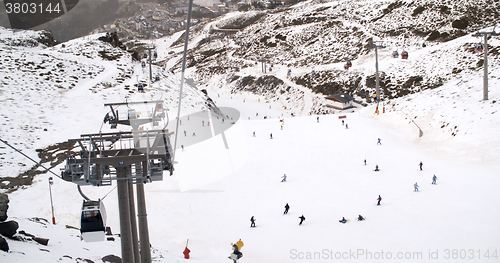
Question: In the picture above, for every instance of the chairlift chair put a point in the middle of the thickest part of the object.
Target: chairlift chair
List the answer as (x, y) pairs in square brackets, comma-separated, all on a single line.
[(349, 64), (145, 55), (140, 87), (346, 67), (404, 55), (93, 221), (155, 55), (143, 64), (395, 54)]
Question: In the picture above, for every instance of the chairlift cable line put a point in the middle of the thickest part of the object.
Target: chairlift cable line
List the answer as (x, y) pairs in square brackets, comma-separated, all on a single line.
[(183, 69), (38, 163)]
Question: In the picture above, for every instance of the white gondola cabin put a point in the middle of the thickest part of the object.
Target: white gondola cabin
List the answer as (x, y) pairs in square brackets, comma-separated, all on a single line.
[(93, 221), (478, 47)]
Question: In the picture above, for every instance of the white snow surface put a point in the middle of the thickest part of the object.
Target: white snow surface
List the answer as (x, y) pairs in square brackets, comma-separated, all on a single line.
[(214, 191)]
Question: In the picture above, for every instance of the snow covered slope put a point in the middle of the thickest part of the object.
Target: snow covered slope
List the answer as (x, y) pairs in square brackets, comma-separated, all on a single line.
[(63, 89)]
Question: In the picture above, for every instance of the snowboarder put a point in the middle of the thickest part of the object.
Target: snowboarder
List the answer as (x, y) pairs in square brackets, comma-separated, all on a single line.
[(271, 135), (360, 218), (376, 168), (343, 220), (379, 199), (284, 178), (286, 209), (252, 220), (378, 141), (420, 165), (434, 178), (415, 186), (302, 219)]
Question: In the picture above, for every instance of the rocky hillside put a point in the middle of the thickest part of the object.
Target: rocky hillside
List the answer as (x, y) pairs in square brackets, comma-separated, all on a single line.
[(323, 35)]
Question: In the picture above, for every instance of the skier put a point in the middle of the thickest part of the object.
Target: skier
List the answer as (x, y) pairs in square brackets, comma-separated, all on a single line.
[(317, 119), (347, 127), (365, 161), (271, 135), (302, 219), (420, 164), (342, 122), (253, 134), (182, 147), (434, 178), (360, 218), (376, 168), (415, 186), (236, 253), (343, 220), (202, 123), (286, 209), (194, 134), (184, 133), (284, 178), (253, 222), (378, 142), (379, 199)]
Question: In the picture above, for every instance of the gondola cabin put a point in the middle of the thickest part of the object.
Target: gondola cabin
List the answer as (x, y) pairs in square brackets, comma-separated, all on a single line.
[(155, 55), (349, 64), (478, 47), (93, 221), (404, 55), (395, 54), (145, 55), (140, 87), (346, 67)]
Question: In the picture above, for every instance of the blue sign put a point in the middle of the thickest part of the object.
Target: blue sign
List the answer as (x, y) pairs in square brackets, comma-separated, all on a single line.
[(120, 162)]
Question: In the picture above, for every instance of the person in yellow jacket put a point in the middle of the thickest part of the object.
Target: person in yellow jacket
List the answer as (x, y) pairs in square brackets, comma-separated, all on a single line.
[(236, 253)]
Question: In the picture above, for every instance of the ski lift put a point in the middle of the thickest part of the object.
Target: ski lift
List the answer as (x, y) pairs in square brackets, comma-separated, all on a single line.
[(143, 64), (395, 54), (349, 64), (93, 221), (346, 67), (478, 47), (145, 55), (155, 55), (157, 78), (140, 87), (404, 55)]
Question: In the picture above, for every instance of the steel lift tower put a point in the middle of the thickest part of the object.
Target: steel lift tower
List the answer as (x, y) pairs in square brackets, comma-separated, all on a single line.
[(134, 157)]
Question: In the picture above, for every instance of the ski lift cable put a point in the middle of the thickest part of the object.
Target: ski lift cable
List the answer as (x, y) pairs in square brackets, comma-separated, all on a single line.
[(38, 163), (183, 68)]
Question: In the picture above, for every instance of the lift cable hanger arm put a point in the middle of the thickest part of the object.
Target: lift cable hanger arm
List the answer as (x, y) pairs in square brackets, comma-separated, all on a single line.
[(46, 169), (87, 198)]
